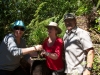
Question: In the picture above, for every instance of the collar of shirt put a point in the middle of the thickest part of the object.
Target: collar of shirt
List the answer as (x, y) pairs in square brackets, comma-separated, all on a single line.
[(72, 31)]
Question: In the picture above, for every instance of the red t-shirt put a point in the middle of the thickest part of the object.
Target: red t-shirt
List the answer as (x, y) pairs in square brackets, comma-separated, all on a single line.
[(58, 49)]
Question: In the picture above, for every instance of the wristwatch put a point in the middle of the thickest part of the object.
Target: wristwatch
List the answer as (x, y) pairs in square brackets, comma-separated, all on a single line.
[(89, 68)]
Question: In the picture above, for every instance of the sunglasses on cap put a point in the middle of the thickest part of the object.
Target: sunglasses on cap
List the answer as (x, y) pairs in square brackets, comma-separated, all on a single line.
[(19, 28)]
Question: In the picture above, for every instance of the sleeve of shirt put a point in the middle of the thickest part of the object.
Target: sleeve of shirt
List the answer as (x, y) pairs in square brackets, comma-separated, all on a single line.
[(59, 47), (12, 47), (86, 40)]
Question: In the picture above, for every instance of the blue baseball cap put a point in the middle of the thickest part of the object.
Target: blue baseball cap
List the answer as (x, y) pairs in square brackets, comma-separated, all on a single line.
[(18, 23)]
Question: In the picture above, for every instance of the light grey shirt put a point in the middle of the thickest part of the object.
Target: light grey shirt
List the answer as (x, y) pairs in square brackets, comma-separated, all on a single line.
[(10, 53), (76, 43)]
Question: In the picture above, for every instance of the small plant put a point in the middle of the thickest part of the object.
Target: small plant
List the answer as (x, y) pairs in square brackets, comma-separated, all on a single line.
[(96, 66), (97, 21)]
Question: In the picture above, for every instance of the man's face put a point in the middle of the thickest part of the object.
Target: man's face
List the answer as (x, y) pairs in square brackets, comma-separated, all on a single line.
[(52, 31), (70, 24)]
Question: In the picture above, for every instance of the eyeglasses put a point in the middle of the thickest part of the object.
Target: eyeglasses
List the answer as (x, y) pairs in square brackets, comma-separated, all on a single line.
[(19, 28), (50, 28)]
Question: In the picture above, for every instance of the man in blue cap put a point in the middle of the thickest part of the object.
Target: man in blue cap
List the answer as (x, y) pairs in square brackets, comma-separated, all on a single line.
[(12, 49), (79, 52)]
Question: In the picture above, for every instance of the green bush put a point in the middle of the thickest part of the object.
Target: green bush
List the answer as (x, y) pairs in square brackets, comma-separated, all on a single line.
[(96, 66)]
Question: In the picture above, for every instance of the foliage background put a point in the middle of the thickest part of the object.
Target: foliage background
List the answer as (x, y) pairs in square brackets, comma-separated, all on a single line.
[(38, 13)]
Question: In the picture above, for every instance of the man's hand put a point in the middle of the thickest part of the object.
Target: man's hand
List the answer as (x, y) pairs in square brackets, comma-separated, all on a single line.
[(38, 47), (43, 52), (86, 72)]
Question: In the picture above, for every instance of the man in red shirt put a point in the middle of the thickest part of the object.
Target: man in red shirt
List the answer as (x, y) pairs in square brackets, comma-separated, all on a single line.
[(53, 48)]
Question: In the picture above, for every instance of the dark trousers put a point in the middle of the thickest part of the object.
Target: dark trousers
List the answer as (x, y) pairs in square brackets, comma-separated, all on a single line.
[(52, 72), (39, 67), (18, 71)]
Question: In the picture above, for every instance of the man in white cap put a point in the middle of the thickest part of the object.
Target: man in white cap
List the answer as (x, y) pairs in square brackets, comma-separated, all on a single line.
[(53, 49)]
